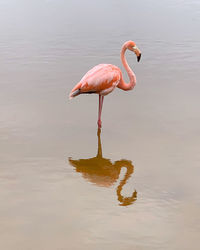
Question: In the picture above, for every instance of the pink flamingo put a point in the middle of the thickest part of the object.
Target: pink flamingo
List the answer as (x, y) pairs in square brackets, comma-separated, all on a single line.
[(104, 78)]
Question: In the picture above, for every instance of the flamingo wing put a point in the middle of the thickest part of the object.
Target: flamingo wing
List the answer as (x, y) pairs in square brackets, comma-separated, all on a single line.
[(102, 79)]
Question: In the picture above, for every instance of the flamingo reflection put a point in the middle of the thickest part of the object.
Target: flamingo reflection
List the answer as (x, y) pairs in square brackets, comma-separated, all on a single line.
[(103, 172)]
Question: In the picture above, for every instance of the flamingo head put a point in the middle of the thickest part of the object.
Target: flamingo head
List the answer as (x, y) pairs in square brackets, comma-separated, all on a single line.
[(132, 47)]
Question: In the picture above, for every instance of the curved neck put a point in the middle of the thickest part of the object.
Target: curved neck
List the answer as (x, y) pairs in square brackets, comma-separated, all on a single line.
[(122, 84), (124, 201)]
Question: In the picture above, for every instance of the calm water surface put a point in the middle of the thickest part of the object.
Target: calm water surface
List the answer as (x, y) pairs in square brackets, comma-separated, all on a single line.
[(65, 185)]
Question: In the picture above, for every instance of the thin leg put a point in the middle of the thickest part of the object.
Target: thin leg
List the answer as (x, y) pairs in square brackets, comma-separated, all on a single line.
[(100, 109), (99, 152), (99, 114)]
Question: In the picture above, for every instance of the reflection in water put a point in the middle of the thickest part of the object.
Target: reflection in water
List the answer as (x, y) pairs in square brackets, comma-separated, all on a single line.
[(103, 172)]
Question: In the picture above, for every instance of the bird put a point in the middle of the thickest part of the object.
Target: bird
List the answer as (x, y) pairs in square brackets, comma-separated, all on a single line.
[(104, 172), (102, 79)]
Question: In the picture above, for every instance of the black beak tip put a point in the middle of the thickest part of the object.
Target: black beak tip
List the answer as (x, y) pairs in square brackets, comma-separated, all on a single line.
[(138, 57)]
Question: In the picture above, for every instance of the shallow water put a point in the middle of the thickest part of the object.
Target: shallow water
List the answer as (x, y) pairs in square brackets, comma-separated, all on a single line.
[(65, 185)]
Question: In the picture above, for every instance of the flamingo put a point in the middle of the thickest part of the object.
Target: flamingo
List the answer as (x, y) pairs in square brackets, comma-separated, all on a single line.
[(104, 172), (104, 78)]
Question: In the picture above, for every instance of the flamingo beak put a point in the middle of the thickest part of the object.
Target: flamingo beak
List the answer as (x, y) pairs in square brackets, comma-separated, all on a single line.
[(138, 57), (137, 52)]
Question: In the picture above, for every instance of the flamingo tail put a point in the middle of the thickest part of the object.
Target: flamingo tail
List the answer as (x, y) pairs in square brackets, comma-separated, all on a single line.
[(75, 91)]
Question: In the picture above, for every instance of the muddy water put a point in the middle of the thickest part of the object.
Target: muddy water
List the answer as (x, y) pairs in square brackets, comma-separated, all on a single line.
[(65, 185)]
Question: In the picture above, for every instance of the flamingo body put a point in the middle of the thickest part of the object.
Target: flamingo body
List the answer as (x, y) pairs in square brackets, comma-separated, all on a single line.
[(104, 78)]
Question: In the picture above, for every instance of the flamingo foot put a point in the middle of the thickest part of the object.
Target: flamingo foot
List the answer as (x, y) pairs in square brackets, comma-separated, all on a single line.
[(99, 123)]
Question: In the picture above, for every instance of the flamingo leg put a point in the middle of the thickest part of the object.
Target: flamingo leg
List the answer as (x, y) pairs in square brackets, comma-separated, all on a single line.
[(100, 109)]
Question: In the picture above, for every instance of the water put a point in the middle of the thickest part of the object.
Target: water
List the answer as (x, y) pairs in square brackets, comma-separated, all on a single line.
[(65, 185)]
